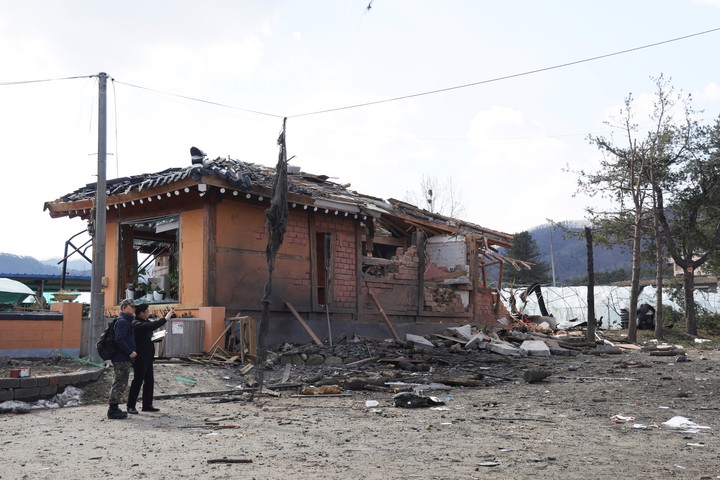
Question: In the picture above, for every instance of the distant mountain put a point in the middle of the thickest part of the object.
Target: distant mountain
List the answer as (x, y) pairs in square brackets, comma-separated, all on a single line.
[(78, 267), (569, 252), (10, 263)]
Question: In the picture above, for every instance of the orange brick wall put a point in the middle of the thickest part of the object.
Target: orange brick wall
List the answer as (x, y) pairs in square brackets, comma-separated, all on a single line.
[(344, 286), (486, 298), (39, 338)]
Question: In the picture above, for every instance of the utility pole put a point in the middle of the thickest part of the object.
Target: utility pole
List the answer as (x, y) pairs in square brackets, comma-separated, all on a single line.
[(552, 255), (97, 296)]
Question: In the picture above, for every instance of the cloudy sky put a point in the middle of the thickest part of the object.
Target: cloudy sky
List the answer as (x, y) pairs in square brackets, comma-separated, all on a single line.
[(220, 75)]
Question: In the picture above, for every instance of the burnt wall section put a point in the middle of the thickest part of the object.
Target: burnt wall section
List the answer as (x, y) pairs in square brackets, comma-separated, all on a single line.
[(397, 289), (241, 263), (342, 280)]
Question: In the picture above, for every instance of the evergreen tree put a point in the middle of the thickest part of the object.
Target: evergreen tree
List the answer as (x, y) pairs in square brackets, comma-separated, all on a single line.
[(525, 248)]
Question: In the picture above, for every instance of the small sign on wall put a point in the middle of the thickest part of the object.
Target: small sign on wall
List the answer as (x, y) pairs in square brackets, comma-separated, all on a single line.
[(177, 328)]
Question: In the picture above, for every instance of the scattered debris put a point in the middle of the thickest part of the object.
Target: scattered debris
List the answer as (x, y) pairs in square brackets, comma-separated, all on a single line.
[(685, 423), (229, 460), (534, 376), (413, 400), (621, 419), (324, 390)]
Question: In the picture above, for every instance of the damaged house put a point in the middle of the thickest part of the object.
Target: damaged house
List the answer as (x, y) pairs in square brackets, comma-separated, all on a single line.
[(350, 263)]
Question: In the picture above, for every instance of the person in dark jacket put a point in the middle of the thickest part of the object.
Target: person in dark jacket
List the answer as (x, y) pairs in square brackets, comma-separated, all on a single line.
[(144, 377), (122, 358)]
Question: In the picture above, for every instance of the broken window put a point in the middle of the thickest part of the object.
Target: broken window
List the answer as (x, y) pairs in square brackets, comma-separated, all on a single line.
[(148, 256)]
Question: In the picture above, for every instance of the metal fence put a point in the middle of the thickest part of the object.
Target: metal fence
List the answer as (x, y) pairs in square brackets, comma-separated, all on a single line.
[(570, 303)]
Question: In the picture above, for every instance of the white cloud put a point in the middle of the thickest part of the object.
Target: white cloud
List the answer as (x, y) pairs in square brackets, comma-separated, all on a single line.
[(711, 3), (516, 177), (711, 91)]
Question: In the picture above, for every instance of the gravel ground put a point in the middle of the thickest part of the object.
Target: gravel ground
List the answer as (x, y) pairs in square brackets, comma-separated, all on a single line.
[(595, 416)]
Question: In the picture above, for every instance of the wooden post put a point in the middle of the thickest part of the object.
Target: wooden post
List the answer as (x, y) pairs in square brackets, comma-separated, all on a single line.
[(327, 314), (420, 238), (382, 313), (591, 287), (472, 252), (307, 328)]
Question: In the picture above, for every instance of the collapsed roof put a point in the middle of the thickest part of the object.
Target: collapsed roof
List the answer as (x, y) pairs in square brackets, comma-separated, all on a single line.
[(244, 177), (234, 177)]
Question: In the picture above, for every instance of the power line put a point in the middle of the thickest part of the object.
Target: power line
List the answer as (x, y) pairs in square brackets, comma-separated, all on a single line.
[(21, 82), (507, 77), (394, 99), (194, 99)]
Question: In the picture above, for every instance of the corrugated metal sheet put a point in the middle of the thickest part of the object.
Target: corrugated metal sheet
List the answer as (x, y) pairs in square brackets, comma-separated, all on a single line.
[(184, 337)]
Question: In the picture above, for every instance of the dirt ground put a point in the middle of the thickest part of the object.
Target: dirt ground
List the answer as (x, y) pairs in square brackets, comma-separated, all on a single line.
[(594, 417)]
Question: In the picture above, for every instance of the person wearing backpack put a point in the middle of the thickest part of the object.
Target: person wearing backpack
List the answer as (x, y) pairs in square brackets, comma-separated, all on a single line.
[(143, 375), (122, 358)]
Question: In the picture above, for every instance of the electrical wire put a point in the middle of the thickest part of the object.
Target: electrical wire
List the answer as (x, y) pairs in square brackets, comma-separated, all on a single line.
[(394, 99), (507, 77), (22, 82), (194, 99)]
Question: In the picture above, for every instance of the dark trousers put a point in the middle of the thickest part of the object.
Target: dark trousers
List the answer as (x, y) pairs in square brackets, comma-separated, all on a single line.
[(142, 376)]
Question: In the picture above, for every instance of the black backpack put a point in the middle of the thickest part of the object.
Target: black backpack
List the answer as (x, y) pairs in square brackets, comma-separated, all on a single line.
[(106, 343)]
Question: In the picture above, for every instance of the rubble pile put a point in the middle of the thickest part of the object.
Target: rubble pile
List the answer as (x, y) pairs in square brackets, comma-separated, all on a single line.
[(460, 356)]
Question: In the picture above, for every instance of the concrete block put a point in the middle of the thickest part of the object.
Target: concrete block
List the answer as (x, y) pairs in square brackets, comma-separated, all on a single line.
[(419, 341), (9, 383), (333, 360), (477, 340), (6, 395), (556, 349), (611, 349), (48, 390), (464, 332), (43, 381), (31, 392), (28, 382), (534, 348), (504, 348)]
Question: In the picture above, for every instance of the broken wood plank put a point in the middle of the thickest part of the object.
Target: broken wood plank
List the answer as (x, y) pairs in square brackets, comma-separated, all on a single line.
[(360, 362), (229, 460), (307, 328), (460, 382), (221, 337), (447, 276), (452, 339), (382, 314), (666, 353), (203, 394), (322, 396), (286, 373)]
